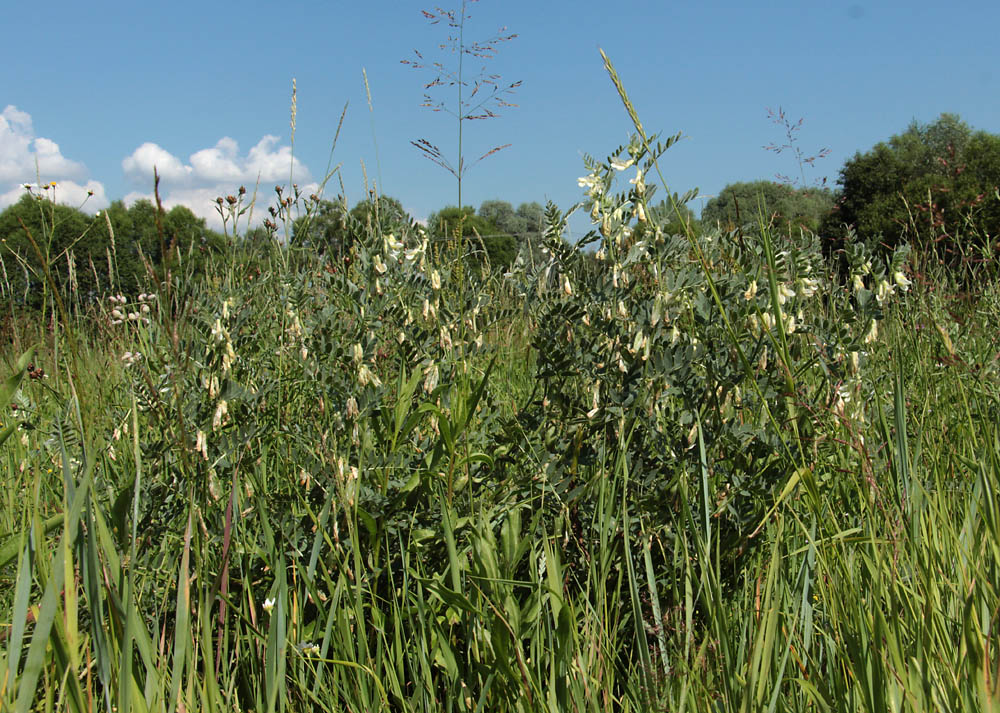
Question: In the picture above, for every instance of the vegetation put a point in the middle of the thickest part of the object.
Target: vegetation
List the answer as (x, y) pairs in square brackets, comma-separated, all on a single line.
[(477, 97), (665, 468), (786, 207), (934, 186), (114, 250)]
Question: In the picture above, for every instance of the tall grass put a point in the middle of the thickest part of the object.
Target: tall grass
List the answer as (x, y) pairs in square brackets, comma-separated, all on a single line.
[(693, 474)]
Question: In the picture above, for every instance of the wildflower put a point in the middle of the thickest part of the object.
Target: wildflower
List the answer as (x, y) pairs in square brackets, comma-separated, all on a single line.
[(430, 378), (883, 291), (592, 183), (857, 282), (436, 280), (751, 291), (269, 604), (619, 165), (807, 286), (117, 314), (567, 287), (785, 293), (358, 353), (352, 408), (446, 343), (379, 265), (872, 332), (201, 445), (367, 376), (594, 402), (638, 182), (640, 212), (901, 281), (392, 244), (221, 411), (308, 648)]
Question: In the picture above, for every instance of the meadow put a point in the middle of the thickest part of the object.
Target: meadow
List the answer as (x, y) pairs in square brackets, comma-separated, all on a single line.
[(648, 471)]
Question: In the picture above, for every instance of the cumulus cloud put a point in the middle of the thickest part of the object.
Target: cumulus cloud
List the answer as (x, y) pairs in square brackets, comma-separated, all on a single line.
[(216, 171), (24, 158)]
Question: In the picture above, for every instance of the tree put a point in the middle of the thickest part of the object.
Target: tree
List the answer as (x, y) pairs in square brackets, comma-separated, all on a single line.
[(35, 232), (330, 226), (788, 207), (933, 185), (81, 254), (477, 232)]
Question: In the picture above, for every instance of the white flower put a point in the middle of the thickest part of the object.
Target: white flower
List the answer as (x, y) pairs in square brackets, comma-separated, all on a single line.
[(784, 293), (566, 286), (308, 648), (201, 445), (901, 281), (807, 286), (352, 408), (883, 291), (872, 333), (367, 376), (858, 283), (751, 291), (221, 411), (430, 378), (269, 604), (436, 280), (619, 165), (638, 182), (392, 243), (358, 353), (379, 265)]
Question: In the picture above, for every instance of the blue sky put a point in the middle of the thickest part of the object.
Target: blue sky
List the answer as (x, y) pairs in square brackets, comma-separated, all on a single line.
[(97, 92)]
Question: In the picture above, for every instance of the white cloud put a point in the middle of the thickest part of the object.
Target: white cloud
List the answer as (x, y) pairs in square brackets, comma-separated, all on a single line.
[(24, 158), (217, 171), (141, 164)]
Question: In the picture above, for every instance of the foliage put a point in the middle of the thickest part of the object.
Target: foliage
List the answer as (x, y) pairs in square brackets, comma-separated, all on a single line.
[(84, 256), (683, 472), (329, 226), (784, 207), (934, 185), (479, 234)]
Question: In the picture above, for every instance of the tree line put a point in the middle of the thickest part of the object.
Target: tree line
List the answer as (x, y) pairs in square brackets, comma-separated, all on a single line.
[(935, 186)]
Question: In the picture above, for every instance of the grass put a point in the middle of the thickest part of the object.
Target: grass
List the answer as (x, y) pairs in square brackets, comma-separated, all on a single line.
[(688, 475)]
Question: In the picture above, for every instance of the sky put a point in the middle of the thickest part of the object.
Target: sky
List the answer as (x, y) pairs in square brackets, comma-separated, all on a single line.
[(94, 95)]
